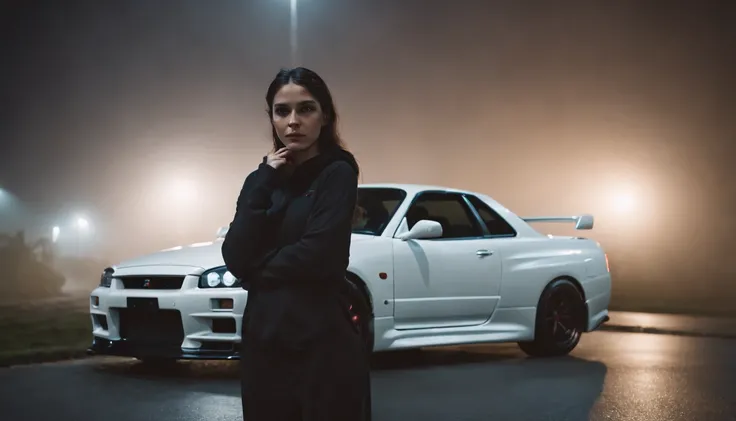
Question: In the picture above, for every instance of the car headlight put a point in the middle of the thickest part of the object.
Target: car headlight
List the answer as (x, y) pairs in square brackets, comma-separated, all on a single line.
[(106, 278), (219, 278)]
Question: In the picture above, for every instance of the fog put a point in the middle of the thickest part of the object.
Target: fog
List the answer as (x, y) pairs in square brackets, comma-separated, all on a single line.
[(144, 118)]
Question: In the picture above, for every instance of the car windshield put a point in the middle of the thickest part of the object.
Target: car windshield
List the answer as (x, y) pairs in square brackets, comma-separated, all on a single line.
[(376, 206)]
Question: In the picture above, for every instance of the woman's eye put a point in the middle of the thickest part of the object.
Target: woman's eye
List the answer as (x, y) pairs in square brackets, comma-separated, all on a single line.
[(306, 109), (282, 112)]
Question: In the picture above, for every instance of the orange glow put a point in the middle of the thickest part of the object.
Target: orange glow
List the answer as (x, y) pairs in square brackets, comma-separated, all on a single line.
[(225, 304)]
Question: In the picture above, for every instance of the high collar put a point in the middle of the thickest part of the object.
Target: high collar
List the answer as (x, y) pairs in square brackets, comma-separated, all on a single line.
[(313, 166)]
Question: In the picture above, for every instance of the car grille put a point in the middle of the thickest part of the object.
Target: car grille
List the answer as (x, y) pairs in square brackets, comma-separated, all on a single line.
[(152, 282), (155, 329)]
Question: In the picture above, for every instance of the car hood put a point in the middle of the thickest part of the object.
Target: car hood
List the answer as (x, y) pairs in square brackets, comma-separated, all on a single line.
[(204, 255)]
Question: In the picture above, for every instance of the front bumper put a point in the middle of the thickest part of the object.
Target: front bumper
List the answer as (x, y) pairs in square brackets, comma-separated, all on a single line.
[(183, 322), (123, 348)]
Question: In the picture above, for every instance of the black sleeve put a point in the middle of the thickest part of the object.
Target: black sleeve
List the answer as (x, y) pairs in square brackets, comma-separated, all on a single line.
[(241, 249), (327, 232)]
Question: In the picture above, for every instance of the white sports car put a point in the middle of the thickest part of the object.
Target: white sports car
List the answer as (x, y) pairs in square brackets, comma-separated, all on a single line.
[(429, 266)]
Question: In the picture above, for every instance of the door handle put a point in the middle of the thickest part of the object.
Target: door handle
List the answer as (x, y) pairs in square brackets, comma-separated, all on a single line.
[(483, 253)]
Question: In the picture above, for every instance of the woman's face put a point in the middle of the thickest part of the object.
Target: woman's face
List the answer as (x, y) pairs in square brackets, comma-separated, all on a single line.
[(297, 117)]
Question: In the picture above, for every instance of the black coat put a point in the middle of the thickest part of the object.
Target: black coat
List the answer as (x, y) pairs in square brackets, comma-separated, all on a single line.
[(289, 243)]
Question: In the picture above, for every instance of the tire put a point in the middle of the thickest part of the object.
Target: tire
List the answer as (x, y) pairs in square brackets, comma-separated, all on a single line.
[(362, 315), (560, 321)]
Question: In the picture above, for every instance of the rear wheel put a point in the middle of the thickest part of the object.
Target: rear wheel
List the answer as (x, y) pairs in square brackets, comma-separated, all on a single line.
[(560, 321)]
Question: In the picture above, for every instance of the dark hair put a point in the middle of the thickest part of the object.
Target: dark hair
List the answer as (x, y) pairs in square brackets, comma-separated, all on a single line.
[(328, 137)]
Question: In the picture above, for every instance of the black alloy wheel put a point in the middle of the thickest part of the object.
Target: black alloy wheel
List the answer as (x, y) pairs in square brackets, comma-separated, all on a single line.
[(361, 316), (560, 321)]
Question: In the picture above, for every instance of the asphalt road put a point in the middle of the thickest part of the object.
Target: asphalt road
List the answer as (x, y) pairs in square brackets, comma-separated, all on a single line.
[(611, 376), (723, 327)]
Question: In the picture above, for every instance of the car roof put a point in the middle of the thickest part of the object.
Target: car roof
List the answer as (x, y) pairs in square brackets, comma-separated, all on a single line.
[(415, 188), (519, 225)]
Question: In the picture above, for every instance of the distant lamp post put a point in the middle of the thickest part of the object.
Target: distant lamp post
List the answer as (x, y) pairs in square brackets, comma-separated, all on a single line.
[(6, 199), (82, 227), (82, 224)]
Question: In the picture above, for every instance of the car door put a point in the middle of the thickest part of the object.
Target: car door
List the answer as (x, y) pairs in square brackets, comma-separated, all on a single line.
[(450, 281)]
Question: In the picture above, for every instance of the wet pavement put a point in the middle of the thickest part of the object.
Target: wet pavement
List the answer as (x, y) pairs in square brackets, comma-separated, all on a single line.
[(723, 327), (610, 376)]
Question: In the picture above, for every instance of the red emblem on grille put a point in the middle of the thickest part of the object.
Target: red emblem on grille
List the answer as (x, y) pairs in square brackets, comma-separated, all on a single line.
[(146, 283)]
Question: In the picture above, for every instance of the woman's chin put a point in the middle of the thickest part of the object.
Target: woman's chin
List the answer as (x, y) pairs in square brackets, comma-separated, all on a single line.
[(300, 145)]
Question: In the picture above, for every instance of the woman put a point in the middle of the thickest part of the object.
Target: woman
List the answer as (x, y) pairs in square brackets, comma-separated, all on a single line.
[(289, 241)]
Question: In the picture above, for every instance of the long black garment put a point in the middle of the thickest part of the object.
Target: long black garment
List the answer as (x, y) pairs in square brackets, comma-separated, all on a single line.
[(289, 242)]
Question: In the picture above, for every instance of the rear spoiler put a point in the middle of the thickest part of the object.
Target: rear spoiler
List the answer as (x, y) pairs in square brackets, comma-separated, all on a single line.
[(582, 222)]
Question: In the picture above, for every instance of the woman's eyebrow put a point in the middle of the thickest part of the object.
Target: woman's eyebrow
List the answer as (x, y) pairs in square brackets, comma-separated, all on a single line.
[(306, 102)]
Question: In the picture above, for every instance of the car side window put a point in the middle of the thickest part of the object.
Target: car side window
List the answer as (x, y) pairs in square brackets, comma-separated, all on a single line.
[(495, 224), (450, 210)]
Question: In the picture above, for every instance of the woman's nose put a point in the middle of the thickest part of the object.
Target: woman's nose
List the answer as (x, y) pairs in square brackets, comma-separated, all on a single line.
[(293, 120)]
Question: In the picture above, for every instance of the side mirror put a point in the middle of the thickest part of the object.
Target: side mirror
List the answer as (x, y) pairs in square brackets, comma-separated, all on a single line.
[(585, 222), (423, 229), (222, 231)]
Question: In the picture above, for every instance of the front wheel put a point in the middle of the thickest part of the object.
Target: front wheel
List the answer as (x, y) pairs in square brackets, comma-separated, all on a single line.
[(361, 315), (560, 321)]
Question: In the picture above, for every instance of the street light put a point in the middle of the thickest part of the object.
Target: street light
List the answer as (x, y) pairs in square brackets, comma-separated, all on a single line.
[(5, 197), (82, 224), (181, 191), (293, 31), (294, 44), (625, 202), (11, 214)]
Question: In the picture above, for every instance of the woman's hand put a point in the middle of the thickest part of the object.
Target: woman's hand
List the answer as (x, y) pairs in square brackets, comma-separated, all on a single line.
[(279, 158)]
